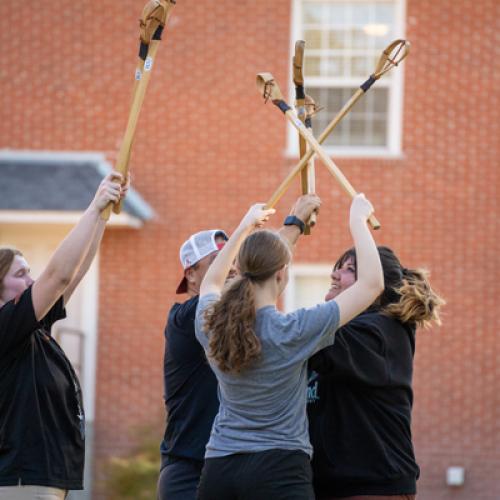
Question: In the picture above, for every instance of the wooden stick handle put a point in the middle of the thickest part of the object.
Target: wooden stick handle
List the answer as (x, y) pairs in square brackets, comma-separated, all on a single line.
[(311, 184), (124, 153), (330, 165), (310, 106)]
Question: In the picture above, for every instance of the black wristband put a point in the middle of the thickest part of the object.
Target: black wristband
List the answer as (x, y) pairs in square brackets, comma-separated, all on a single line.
[(292, 220)]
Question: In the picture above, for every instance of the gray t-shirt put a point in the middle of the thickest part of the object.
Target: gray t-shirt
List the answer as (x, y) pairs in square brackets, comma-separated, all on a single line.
[(264, 407)]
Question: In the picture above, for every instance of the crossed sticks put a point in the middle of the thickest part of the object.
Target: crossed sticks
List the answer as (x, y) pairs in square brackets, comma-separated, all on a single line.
[(266, 84)]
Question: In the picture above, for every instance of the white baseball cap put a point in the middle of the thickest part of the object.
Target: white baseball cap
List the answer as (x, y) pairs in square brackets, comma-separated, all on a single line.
[(198, 246)]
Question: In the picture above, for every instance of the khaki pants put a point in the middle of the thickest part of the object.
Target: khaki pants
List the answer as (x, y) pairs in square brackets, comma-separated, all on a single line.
[(31, 493)]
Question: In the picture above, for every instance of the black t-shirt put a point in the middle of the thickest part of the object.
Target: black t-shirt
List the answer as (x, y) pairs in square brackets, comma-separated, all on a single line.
[(41, 412), (190, 387), (359, 406)]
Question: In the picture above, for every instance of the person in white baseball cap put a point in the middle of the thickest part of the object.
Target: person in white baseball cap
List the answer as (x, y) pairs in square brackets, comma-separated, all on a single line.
[(190, 386)]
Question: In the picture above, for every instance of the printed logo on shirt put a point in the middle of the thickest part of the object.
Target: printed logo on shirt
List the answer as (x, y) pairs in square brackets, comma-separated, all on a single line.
[(312, 388)]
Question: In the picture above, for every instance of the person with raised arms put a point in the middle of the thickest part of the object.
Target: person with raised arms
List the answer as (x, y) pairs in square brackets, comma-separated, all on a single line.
[(259, 444)]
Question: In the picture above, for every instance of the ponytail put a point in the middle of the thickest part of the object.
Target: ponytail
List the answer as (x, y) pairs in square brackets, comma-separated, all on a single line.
[(233, 344)]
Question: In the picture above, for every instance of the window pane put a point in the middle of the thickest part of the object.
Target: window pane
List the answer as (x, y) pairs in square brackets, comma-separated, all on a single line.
[(359, 67), (379, 98), (334, 66), (333, 100), (384, 13), (337, 39), (312, 66), (361, 13), (359, 38), (358, 131), (313, 12), (312, 39), (379, 133), (336, 13)]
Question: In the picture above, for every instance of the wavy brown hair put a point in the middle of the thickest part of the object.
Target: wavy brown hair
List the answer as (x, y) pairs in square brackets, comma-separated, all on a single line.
[(234, 344), (7, 255), (408, 295)]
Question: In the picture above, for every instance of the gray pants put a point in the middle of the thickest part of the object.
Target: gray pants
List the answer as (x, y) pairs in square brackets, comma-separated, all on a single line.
[(21, 492)]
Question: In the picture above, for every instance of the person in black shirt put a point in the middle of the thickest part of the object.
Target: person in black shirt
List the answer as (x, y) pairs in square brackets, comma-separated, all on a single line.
[(190, 395), (41, 413), (190, 385), (360, 388)]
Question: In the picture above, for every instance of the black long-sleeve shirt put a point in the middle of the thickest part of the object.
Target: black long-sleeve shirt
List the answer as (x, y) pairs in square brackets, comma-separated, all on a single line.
[(359, 404)]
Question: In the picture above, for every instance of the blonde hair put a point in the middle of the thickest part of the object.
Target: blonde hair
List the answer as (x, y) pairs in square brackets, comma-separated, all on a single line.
[(418, 302), (231, 321)]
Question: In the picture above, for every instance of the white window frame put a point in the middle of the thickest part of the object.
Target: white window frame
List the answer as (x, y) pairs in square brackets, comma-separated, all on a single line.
[(395, 86), (302, 270)]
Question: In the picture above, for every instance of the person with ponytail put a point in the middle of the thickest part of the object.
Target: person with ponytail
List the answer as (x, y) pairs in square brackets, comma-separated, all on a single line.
[(360, 389), (190, 386), (42, 429), (259, 446)]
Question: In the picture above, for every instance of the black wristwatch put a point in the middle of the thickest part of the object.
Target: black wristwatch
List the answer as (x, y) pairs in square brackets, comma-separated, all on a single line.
[(292, 220)]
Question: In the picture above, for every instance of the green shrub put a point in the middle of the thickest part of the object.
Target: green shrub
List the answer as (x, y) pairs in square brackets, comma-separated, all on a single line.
[(135, 475)]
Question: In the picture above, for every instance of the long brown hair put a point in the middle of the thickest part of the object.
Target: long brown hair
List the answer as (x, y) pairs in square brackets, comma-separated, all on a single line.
[(231, 320), (7, 255), (407, 294)]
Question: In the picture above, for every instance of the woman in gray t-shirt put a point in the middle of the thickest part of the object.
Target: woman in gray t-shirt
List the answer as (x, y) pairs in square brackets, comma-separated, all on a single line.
[(259, 445)]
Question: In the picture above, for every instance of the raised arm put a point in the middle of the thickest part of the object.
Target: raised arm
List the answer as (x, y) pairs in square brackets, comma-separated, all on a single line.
[(302, 210), (217, 272), (370, 279), (94, 246), (66, 261)]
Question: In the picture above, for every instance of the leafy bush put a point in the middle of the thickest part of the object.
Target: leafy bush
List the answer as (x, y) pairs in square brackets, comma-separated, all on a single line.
[(135, 475)]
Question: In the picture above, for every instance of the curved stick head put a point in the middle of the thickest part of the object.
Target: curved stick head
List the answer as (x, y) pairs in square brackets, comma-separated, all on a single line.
[(298, 62), (268, 87), (394, 53), (153, 15), (311, 107)]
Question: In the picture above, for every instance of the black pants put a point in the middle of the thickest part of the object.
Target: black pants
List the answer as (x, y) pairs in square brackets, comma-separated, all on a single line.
[(267, 475), (179, 479)]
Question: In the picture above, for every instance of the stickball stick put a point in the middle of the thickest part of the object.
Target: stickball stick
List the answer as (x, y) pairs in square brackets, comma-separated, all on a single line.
[(152, 22), (307, 174)]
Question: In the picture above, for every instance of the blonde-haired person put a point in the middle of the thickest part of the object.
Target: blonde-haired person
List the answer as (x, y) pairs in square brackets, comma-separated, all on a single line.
[(360, 390), (259, 446), (41, 413)]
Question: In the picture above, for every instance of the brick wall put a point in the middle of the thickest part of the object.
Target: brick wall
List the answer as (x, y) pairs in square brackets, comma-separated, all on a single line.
[(207, 147)]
